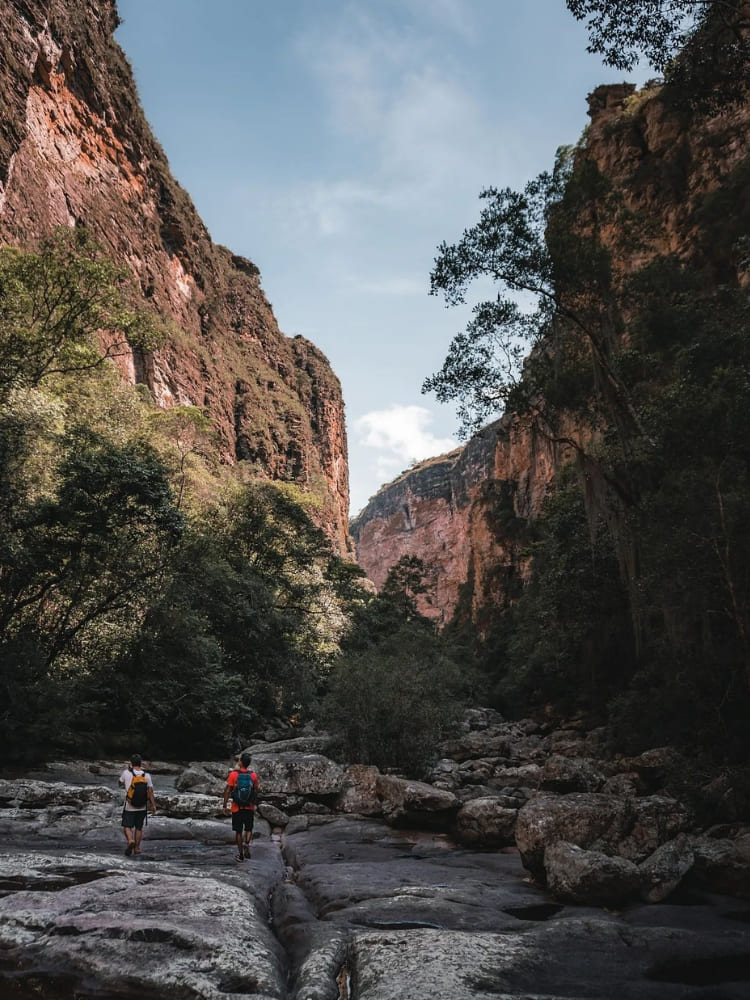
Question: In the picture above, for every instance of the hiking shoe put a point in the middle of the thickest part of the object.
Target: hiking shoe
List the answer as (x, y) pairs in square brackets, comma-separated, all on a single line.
[(246, 850), (129, 849), (240, 857)]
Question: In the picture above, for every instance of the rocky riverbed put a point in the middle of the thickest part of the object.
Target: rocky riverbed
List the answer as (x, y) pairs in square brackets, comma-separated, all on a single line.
[(367, 886)]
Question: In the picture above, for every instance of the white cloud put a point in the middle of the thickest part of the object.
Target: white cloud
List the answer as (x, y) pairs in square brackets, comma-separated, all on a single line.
[(329, 208), (400, 435), (396, 94)]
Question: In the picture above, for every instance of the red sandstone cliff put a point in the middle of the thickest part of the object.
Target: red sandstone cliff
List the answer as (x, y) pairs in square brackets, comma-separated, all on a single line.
[(76, 149), (461, 513)]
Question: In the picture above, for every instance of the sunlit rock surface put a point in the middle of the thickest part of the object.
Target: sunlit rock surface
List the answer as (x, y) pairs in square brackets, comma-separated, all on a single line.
[(75, 149)]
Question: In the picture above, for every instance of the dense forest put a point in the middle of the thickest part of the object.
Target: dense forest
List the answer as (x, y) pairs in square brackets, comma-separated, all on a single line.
[(635, 358), (148, 594), (152, 596)]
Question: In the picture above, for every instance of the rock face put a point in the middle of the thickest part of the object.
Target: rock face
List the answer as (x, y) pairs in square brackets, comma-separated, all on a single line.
[(75, 149), (462, 514)]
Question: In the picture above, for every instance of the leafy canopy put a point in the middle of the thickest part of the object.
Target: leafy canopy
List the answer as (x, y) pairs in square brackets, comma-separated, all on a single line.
[(64, 308), (701, 47)]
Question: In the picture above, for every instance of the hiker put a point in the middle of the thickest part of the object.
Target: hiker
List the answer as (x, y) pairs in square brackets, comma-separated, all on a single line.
[(139, 798), (242, 785)]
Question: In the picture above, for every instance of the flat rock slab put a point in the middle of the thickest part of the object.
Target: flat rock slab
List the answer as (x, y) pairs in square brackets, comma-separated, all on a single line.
[(592, 958), (402, 913), (364, 874), (186, 931)]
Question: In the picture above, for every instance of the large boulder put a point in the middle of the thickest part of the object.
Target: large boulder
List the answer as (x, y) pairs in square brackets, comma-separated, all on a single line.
[(631, 828), (570, 774), (31, 794), (197, 778), (588, 820), (664, 870), (415, 803), (722, 865), (655, 819), (590, 877), (315, 743), (291, 773), (486, 822), (282, 773), (359, 791), (147, 931)]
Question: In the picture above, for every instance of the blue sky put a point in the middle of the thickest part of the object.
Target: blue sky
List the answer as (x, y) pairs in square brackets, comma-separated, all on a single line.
[(336, 143)]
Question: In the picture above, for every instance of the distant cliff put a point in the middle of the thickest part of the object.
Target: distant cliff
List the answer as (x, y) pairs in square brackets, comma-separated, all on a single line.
[(75, 149), (463, 514)]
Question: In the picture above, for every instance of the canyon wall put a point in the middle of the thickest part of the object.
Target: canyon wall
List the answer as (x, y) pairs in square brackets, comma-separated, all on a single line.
[(463, 513), (75, 149)]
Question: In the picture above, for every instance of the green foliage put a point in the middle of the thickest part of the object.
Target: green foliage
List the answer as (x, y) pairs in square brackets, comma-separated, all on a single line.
[(507, 245), (77, 569), (639, 588), (568, 642), (541, 249), (54, 306), (392, 702), (700, 46), (135, 599)]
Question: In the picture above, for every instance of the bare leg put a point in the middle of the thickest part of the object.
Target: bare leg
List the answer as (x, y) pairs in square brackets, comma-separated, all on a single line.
[(130, 843), (138, 839)]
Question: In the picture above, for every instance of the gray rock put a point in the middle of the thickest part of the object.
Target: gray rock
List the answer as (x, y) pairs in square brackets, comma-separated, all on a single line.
[(722, 865), (93, 928), (585, 819), (359, 791), (522, 775), (289, 773), (631, 828), (566, 774), (32, 794), (589, 877), (627, 784), (274, 816), (486, 822), (664, 870), (316, 744), (198, 779), (415, 802), (656, 819), (188, 804)]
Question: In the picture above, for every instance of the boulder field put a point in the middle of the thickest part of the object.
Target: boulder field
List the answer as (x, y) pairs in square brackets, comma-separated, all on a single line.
[(529, 865)]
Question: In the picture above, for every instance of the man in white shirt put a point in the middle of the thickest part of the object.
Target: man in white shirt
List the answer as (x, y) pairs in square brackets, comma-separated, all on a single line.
[(139, 798)]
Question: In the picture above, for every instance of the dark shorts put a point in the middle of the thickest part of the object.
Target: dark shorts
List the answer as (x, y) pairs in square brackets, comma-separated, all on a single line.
[(243, 818), (133, 818)]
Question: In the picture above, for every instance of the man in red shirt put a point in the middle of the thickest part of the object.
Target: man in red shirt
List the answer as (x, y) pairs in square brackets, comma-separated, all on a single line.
[(242, 785)]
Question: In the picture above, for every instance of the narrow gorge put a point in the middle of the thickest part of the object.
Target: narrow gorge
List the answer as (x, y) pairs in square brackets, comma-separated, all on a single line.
[(76, 150)]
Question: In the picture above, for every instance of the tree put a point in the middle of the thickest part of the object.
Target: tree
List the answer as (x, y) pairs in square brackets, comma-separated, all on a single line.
[(64, 308), (544, 245), (391, 703), (701, 47), (187, 430), (78, 571)]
